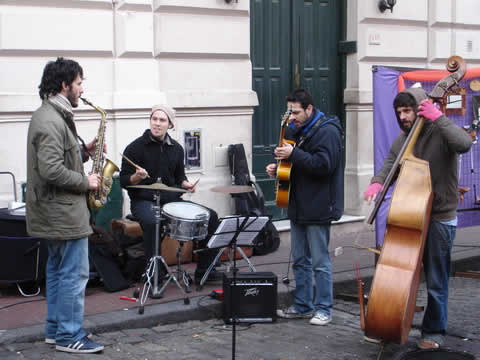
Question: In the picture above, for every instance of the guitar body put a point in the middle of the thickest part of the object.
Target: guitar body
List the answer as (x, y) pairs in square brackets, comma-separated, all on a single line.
[(284, 168)]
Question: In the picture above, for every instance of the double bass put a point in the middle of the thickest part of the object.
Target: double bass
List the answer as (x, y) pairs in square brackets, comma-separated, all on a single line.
[(393, 293)]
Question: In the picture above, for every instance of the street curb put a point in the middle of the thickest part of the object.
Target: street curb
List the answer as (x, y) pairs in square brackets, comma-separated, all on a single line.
[(200, 308)]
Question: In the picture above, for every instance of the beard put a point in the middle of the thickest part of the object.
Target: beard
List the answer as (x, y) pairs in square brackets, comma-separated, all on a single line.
[(72, 98)]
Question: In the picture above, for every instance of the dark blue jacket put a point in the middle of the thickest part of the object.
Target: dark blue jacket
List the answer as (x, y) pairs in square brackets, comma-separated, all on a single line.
[(316, 190)]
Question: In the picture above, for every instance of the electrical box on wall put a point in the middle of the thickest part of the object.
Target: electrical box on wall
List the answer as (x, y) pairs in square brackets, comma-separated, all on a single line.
[(191, 140)]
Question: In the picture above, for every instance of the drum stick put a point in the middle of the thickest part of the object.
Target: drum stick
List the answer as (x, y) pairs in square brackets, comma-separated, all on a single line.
[(195, 183), (131, 162), (367, 248)]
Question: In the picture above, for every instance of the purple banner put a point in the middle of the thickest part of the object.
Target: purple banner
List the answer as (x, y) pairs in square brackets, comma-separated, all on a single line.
[(386, 129)]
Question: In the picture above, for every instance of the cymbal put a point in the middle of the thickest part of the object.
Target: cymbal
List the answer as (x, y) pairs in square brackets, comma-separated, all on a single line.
[(232, 189), (157, 186)]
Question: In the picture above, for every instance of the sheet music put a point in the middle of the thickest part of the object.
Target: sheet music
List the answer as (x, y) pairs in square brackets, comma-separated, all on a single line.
[(228, 227)]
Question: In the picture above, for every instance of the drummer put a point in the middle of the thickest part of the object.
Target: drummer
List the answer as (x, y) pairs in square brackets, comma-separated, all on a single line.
[(158, 156)]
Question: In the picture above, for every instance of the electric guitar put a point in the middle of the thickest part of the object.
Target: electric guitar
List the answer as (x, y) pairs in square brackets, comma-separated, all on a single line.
[(284, 167)]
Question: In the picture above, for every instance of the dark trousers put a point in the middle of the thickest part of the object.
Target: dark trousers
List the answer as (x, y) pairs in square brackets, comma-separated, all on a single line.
[(142, 210)]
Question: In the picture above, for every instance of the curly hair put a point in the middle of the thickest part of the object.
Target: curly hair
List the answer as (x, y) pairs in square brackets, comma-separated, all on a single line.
[(301, 96), (57, 72)]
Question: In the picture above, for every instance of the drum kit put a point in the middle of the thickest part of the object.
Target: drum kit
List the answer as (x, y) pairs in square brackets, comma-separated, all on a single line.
[(183, 221)]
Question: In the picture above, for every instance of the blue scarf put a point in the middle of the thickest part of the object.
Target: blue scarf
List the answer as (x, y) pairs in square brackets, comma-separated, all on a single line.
[(305, 128)]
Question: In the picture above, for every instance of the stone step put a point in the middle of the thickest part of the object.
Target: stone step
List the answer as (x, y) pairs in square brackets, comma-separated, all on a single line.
[(347, 224)]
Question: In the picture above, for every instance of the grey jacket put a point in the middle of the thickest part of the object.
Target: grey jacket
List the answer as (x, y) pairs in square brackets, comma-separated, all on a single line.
[(56, 201), (438, 143)]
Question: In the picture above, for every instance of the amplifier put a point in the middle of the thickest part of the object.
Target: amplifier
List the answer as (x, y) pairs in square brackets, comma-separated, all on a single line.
[(252, 299), (22, 258)]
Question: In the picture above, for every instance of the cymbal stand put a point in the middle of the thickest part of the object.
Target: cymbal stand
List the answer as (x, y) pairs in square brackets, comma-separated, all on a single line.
[(171, 277), (182, 274), (152, 268)]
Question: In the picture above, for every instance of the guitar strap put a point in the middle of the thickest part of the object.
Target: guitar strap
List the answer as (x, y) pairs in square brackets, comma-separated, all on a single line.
[(322, 121)]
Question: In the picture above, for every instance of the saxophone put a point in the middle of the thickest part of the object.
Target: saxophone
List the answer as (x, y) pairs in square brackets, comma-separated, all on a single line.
[(98, 198)]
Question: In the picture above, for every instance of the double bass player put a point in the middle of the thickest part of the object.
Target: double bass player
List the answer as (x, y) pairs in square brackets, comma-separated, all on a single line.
[(438, 143)]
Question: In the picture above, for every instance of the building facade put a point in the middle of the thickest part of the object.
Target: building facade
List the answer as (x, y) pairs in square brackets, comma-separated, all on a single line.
[(417, 34), (196, 56)]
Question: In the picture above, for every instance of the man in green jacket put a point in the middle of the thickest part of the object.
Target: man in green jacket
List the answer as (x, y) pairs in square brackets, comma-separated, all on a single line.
[(439, 143), (56, 203)]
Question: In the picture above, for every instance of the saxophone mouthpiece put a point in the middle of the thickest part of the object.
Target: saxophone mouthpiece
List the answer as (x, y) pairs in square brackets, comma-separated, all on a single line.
[(85, 101)]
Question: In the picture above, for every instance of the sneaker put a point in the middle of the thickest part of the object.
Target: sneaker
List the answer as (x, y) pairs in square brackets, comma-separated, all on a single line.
[(51, 341), (320, 319), (84, 345), (292, 313), (371, 340), (430, 342)]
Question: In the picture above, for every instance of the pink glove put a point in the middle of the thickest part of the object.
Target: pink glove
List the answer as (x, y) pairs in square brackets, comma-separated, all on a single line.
[(429, 110), (373, 189)]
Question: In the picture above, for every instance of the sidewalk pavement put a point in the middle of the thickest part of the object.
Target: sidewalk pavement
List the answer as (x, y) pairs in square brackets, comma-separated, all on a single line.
[(105, 312)]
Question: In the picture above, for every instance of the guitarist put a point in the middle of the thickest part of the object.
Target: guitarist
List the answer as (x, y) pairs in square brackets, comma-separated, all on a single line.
[(439, 143), (316, 198)]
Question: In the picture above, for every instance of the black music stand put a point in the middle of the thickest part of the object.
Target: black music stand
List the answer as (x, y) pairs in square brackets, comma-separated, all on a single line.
[(222, 238), (235, 231)]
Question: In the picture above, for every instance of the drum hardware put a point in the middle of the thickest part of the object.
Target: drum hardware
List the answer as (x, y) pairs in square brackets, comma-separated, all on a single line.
[(232, 189), (152, 269)]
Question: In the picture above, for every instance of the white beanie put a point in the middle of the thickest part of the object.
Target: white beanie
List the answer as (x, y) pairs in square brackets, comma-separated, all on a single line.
[(167, 110)]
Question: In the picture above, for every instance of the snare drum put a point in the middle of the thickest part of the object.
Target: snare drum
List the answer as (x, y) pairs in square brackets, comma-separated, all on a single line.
[(186, 221)]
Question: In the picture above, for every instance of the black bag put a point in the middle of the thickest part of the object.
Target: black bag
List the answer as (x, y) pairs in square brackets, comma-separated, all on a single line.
[(252, 203), (108, 268), (105, 258)]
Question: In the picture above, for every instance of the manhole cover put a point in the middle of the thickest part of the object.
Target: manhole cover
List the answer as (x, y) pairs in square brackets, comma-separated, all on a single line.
[(436, 354)]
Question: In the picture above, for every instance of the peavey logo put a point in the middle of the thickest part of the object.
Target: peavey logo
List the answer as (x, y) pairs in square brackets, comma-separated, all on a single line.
[(252, 292)]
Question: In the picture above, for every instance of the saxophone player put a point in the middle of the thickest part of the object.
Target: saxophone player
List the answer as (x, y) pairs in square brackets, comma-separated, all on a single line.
[(56, 203)]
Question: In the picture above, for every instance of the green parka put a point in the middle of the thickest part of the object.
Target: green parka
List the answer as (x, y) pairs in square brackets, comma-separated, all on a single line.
[(56, 203)]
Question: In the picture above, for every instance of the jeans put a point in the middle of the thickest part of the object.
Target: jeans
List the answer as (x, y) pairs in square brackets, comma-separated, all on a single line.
[(436, 264), (310, 253), (67, 275), (142, 210)]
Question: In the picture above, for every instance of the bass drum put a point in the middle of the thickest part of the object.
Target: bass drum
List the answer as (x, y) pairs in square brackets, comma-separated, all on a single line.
[(186, 221)]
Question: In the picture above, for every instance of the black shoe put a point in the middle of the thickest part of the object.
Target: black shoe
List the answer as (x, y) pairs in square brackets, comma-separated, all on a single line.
[(214, 275)]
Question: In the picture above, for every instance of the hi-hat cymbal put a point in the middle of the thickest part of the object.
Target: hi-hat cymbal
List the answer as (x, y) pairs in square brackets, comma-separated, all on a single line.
[(232, 189), (157, 186)]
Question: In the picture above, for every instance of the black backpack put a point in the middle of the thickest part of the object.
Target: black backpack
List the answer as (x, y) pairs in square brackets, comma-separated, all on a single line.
[(252, 203)]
